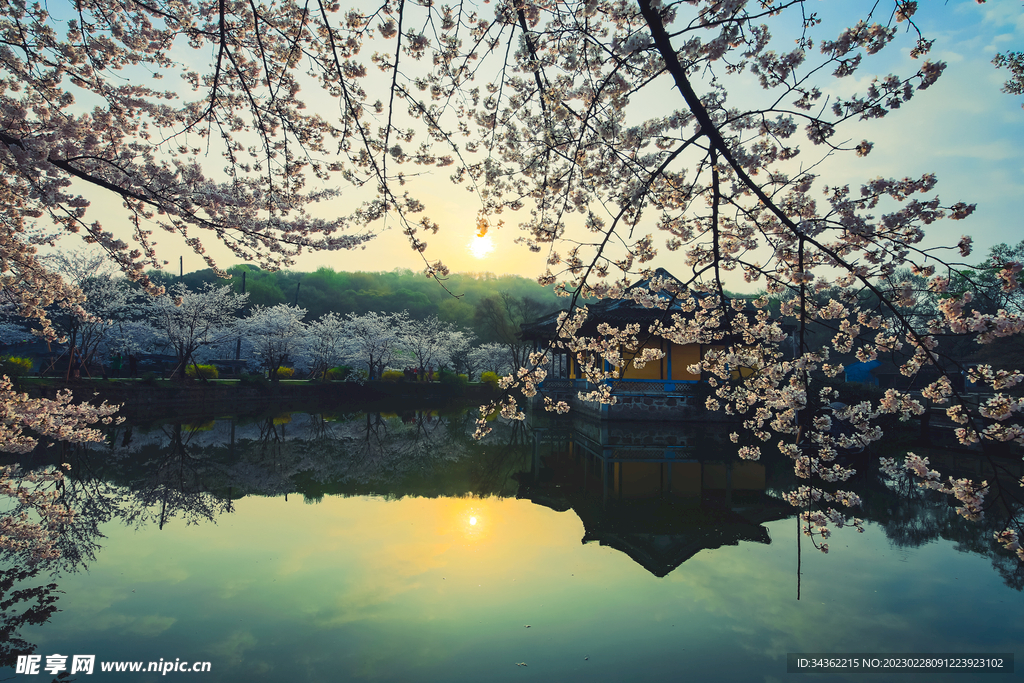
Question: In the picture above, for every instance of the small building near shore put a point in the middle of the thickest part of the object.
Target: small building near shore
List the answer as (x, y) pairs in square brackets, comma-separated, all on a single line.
[(662, 389)]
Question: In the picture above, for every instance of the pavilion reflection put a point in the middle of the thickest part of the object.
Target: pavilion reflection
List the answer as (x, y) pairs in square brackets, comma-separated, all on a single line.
[(659, 493)]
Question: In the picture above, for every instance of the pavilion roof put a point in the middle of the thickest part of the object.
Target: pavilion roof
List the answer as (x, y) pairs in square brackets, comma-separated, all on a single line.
[(617, 312)]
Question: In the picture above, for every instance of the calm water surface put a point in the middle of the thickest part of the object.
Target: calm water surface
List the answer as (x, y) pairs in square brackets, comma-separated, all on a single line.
[(393, 548)]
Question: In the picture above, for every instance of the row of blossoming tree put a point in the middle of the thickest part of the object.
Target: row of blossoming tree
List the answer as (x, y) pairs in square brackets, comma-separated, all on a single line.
[(603, 121), (369, 344), (208, 325)]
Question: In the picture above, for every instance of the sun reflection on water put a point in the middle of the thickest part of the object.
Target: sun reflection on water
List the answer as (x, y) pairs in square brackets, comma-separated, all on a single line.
[(473, 521)]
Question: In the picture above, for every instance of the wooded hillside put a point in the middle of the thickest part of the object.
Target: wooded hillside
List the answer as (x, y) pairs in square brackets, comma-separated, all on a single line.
[(385, 292)]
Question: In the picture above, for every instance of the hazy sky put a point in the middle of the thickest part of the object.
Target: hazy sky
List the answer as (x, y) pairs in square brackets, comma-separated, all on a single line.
[(963, 129)]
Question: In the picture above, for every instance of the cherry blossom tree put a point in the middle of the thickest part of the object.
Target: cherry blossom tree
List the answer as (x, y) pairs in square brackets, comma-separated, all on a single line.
[(128, 336), (460, 352), (491, 357), (112, 307), (27, 285), (12, 332), (426, 343), (711, 123), (32, 511), (987, 284), (612, 120), (277, 334), (33, 514), (142, 145), (325, 344), (374, 340), (111, 301), (190, 320)]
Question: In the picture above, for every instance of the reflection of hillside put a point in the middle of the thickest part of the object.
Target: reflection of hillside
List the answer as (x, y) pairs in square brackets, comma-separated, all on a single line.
[(659, 493)]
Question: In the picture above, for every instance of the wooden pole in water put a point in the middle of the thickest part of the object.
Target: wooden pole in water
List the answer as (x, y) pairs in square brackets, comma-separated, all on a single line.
[(798, 556)]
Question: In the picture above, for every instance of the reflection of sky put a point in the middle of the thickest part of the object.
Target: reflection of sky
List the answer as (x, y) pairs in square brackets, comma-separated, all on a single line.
[(410, 590)]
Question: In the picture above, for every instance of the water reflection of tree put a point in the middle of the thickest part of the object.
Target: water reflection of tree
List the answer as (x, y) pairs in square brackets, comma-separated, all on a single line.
[(194, 472), (135, 483), (414, 453), (913, 516), (274, 455), (170, 482), (508, 449), (373, 448), (23, 604), (95, 502), (377, 453)]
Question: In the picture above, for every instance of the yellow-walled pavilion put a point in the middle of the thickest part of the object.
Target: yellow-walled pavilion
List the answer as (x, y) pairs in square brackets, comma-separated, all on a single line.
[(662, 388)]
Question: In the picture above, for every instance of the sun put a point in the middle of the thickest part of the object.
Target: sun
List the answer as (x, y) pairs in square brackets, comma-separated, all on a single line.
[(480, 246)]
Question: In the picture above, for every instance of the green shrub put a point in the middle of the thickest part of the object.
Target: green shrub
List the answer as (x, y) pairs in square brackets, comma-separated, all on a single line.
[(392, 376), (253, 379), (339, 373), (204, 371), (285, 373), (450, 379), (490, 379), (13, 366)]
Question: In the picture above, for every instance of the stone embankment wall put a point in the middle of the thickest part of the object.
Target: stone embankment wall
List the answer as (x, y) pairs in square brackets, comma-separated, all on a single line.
[(194, 397), (667, 407)]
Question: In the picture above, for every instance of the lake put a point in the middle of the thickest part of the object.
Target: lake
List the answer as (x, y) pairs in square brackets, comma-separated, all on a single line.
[(392, 547)]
